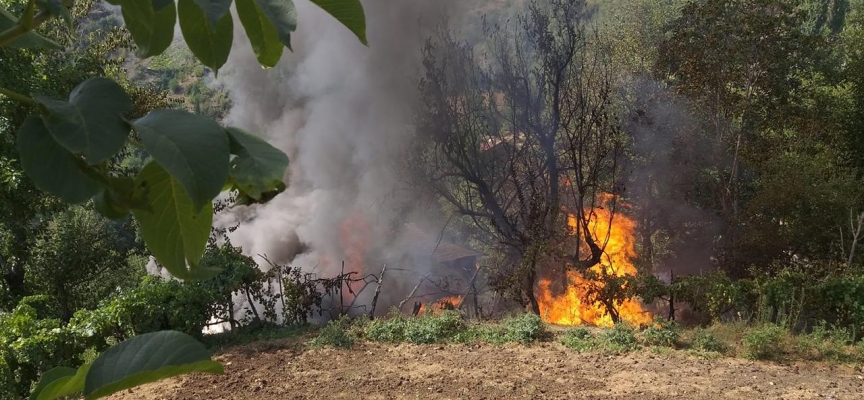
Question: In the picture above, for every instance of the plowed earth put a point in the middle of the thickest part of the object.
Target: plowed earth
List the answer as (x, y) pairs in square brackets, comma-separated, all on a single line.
[(286, 370)]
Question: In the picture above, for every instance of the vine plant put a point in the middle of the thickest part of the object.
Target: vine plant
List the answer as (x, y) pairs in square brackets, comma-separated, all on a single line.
[(66, 147)]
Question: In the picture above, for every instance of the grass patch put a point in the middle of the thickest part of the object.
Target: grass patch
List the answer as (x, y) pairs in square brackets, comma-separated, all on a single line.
[(620, 339), (253, 333)]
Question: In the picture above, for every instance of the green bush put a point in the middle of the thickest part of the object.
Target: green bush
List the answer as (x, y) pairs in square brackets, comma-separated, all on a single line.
[(764, 342), (704, 340), (335, 334), (157, 304), (665, 333), (481, 333), (434, 328), (524, 328), (824, 343), (388, 330), (621, 338), (579, 339), (29, 346)]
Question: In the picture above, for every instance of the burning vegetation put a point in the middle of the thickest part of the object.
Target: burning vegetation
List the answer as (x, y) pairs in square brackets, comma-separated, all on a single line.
[(580, 301)]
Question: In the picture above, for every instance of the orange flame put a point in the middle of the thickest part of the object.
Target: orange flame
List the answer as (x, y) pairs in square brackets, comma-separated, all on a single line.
[(445, 303), (354, 233), (571, 307)]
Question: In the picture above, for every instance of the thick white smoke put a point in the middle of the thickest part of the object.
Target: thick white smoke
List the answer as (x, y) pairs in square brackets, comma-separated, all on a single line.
[(342, 112)]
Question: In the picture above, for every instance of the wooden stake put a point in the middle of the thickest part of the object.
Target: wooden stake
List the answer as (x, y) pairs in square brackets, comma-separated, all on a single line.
[(377, 292)]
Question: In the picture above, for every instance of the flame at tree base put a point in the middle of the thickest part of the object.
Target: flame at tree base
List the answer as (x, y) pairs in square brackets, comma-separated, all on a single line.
[(569, 306)]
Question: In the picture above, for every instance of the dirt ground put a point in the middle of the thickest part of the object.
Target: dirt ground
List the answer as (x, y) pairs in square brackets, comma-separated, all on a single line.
[(285, 370)]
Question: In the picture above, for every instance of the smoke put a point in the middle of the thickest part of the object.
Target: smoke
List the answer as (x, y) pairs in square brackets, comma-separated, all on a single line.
[(671, 152), (342, 112)]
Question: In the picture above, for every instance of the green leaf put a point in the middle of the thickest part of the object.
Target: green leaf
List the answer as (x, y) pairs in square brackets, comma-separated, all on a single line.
[(194, 149), (159, 4), (152, 30), (211, 46), (29, 40), (51, 167), (92, 121), (214, 9), (262, 34), (119, 198), (349, 13), (258, 167), (147, 358), (49, 377), (282, 15), (173, 230), (62, 387)]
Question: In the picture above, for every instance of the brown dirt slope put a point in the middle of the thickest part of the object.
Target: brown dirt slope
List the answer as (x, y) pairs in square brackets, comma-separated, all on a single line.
[(285, 370)]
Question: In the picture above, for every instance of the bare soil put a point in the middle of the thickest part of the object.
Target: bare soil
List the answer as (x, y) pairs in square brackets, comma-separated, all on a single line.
[(286, 370)]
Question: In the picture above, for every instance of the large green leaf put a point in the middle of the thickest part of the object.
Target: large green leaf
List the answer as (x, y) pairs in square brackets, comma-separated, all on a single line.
[(349, 13), (214, 9), (262, 34), (27, 41), (152, 31), (51, 376), (147, 358), (258, 167), (51, 167), (282, 15), (63, 386), (194, 149), (211, 46), (92, 121), (173, 230)]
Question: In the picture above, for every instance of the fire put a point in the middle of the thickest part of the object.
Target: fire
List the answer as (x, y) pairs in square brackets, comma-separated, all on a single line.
[(570, 307), (445, 303), (354, 233)]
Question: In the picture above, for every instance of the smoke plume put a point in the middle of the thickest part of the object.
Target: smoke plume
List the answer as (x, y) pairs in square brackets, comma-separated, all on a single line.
[(342, 112)]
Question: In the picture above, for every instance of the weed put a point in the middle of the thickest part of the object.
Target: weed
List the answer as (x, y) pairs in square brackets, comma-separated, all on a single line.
[(579, 339), (434, 328), (704, 340), (524, 328), (665, 334), (390, 330), (334, 334), (764, 342), (621, 338), (824, 343)]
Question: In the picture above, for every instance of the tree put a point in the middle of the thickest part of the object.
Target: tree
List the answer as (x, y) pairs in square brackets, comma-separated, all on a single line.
[(511, 143), (79, 259)]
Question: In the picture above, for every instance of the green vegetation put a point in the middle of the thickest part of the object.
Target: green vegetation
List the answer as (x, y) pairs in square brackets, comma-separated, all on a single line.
[(728, 131)]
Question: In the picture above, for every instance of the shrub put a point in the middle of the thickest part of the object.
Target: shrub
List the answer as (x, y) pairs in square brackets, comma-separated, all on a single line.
[(485, 333), (824, 343), (334, 334), (764, 342), (29, 346), (579, 339), (706, 341), (664, 334), (158, 304), (389, 330), (621, 338), (434, 328), (524, 328)]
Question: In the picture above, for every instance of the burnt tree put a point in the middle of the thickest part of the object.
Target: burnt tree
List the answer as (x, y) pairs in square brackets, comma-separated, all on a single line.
[(514, 138)]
